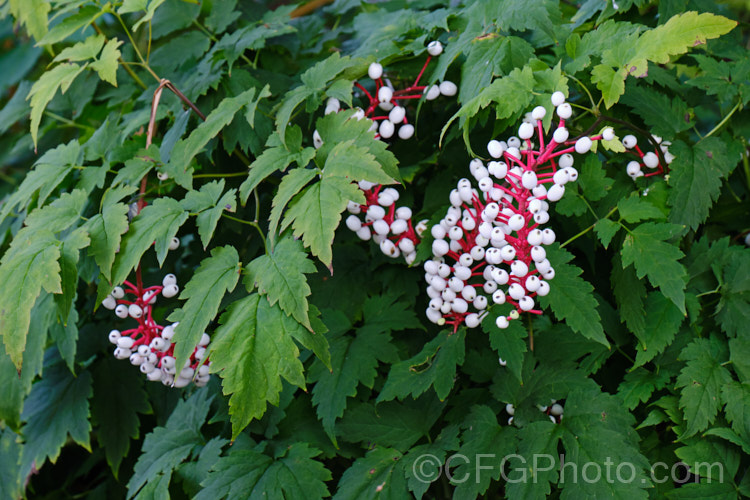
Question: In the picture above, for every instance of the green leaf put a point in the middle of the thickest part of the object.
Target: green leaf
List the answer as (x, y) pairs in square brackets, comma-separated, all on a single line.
[(485, 444), (572, 298), (702, 380), (246, 473), (10, 468), (251, 350), (290, 185), (539, 462), (106, 65), (215, 276), (646, 249), (185, 150), (157, 224), (222, 15), (629, 292), (315, 213), (597, 429), (106, 230), (150, 11), (341, 127), (435, 365), (118, 399), (314, 80), (611, 83), (87, 49), (45, 88), (28, 266), (593, 179), (32, 14), (394, 424), (276, 156), (354, 163), (353, 361), (606, 229), (510, 343), (166, 447), (663, 320), (81, 19), (714, 490), (665, 117), (280, 275), (736, 396), (696, 177), (57, 407), (635, 209), (70, 249), (639, 385), (209, 204), (376, 475), (739, 355)]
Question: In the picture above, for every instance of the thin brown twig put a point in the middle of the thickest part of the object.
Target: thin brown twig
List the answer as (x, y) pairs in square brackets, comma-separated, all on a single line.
[(308, 8)]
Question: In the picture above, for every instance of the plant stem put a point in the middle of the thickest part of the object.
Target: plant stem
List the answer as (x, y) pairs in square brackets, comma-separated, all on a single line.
[(249, 223), (67, 121), (723, 121), (573, 238), (211, 176), (135, 47)]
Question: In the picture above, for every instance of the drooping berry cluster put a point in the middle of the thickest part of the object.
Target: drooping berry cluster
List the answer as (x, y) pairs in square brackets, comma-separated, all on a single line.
[(650, 160), (499, 224), (149, 345), (390, 227)]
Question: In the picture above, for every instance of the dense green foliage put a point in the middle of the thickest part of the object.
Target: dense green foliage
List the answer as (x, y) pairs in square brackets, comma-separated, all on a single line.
[(327, 379)]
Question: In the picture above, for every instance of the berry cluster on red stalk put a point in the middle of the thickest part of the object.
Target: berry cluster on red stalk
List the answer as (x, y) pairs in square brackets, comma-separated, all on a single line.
[(390, 227), (149, 345), (499, 224), (650, 161)]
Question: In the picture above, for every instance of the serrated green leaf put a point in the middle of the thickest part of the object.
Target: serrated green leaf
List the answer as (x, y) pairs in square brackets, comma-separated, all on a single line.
[(290, 185), (106, 65), (209, 204), (572, 300), (45, 88), (32, 14), (315, 213), (611, 83), (664, 116), (645, 248), (635, 209), (434, 366), (293, 474), (606, 229), (630, 293), (222, 15), (28, 266), (377, 475), (353, 361), (70, 250), (704, 490), (638, 386), (166, 447), (701, 381), (106, 230), (275, 157), (157, 224), (10, 458), (57, 407), (510, 343), (185, 150), (280, 275), (539, 462), (593, 179), (251, 350), (393, 424), (215, 276), (739, 355), (597, 429), (87, 49), (85, 16), (484, 444), (60, 214), (150, 10), (354, 163), (663, 320), (337, 128), (118, 399), (696, 177), (736, 396)]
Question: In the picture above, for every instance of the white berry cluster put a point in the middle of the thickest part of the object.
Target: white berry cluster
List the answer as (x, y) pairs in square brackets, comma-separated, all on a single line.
[(554, 410), (649, 161), (149, 345), (388, 226), (489, 247), (386, 105)]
